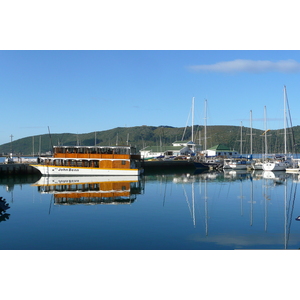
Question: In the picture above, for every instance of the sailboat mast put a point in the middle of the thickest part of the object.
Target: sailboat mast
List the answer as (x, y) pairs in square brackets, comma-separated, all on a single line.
[(250, 131), (241, 146), (205, 123), (265, 117), (193, 103), (284, 117)]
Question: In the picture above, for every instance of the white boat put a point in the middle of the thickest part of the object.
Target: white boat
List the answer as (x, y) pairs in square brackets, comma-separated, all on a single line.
[(235, 164), (295, 166), (90, 161), (278, 164), (292, 170), (257, 166)]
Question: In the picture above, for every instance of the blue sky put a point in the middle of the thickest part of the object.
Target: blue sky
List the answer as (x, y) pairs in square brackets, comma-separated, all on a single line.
[(85, 91)]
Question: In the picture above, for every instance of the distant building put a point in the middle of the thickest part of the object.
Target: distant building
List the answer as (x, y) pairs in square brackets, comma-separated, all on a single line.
[(178, 148), (220, 150)]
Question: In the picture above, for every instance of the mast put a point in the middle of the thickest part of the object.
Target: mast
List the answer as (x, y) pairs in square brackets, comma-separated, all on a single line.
[(265, 117), (33, 146), (205, 123), (284, 118), (40, 146), (251, 132), (193, 103), (11, 148), (241, 147)]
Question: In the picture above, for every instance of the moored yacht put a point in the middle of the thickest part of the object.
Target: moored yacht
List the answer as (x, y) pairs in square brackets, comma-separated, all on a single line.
[(236, 164), (278, 164)]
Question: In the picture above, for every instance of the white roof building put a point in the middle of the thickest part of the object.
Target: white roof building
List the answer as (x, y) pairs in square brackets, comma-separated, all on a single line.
[(178, 148)]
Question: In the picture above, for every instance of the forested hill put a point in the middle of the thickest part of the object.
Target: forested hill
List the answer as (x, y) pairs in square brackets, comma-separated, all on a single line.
[(142, 136)]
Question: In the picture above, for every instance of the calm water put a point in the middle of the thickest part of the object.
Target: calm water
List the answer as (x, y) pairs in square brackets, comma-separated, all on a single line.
[(210, 210)]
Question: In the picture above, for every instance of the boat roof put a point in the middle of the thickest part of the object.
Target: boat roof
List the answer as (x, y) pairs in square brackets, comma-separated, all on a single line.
[(221, 147), (114, 147), (162, 148)]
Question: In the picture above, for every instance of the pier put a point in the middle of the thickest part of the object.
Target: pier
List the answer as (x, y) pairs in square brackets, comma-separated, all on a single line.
[(163, 166), (17, 169)]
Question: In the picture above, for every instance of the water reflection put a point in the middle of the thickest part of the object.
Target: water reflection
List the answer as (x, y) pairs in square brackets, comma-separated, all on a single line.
[(91, 190), (203, 210), (267, 199)]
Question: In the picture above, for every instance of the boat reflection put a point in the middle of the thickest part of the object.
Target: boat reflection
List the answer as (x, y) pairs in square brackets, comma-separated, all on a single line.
[(278, 177), (91, 190), (236, 174)]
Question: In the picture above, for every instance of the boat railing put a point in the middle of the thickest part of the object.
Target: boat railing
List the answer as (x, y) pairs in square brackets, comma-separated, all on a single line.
[(90, 155)]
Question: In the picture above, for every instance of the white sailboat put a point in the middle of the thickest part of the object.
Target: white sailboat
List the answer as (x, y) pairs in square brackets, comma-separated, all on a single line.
[(280, 163), (237, 164), (258, 165)]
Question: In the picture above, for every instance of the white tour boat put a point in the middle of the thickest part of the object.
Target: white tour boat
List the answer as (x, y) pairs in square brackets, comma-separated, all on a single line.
[(90, 161)]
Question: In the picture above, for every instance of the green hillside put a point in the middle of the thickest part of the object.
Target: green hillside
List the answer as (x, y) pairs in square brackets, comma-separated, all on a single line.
[(142, 136)]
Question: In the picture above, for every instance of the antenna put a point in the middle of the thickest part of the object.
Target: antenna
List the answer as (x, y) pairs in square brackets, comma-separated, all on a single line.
[(50, 137), (11, 136)]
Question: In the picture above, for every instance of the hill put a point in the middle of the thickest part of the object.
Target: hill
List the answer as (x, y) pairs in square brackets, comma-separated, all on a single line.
[(141, 136)]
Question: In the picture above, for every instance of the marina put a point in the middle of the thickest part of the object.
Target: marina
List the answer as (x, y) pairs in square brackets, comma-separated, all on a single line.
[(129, 164), (171, 197)]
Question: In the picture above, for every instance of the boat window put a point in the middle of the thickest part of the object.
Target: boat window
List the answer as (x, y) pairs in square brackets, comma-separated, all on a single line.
[(58, 150), (70, 150), (73, 163), (80, 150)]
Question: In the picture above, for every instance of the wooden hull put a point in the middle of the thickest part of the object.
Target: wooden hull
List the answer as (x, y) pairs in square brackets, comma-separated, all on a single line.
[(48, 170)]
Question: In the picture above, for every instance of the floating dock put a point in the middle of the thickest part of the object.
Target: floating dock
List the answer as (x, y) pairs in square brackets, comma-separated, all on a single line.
[(172, 165)]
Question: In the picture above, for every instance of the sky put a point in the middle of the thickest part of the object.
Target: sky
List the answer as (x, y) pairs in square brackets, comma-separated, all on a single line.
[(93, 90), (94, 67)]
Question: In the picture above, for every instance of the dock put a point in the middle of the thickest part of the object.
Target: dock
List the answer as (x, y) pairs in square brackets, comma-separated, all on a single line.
[(172, 165), (17, 169)]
